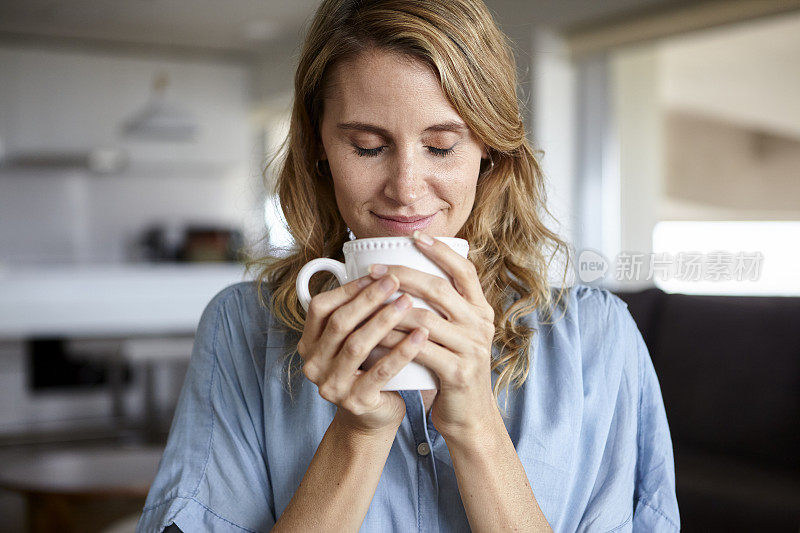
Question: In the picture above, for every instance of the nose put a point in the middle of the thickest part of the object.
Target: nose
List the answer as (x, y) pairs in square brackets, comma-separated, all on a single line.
[(406, 182)]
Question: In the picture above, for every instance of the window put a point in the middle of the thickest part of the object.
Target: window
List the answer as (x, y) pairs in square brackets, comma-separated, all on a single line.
[(728, 257)]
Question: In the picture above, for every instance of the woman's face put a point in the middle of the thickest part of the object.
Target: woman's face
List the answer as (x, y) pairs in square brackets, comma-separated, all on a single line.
[(397, 149)]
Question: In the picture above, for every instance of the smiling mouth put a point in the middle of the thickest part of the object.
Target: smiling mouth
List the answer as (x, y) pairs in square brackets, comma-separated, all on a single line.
[(404, 225), (404, 219)]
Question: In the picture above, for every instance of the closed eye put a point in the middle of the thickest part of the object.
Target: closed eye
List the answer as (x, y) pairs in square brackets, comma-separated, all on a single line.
[(441, 152), (368, 152), (372, 152)]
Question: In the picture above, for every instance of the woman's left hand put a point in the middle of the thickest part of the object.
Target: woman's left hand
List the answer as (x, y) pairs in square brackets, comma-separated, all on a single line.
[(459, 346)]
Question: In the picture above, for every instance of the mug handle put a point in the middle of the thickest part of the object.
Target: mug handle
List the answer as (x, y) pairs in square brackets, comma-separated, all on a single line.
[(322, 264)]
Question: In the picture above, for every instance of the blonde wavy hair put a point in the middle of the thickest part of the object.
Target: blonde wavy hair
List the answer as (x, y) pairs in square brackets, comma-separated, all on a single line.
[(509, 243)]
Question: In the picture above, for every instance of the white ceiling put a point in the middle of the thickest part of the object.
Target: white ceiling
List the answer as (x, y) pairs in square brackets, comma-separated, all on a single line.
[(243, 26), (221, 25)]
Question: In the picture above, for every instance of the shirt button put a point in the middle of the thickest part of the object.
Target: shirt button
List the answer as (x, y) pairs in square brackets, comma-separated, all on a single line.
[(423, 448)]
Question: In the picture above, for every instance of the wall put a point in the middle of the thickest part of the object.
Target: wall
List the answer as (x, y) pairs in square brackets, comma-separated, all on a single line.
[(757, 178), (744, 74), (636, 75), (732, 122), (71, 100)]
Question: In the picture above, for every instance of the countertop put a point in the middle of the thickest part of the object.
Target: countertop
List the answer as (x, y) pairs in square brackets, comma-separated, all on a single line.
[(109, 300)]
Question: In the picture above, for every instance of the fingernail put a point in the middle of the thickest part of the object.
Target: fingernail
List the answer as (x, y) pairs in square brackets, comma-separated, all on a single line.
[(378, 270), (424, 238), (387, 283), (363, 282), (403, 303), (419, 335)]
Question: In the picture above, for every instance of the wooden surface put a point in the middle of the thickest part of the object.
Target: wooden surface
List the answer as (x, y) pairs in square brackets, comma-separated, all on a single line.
[(81, 490)]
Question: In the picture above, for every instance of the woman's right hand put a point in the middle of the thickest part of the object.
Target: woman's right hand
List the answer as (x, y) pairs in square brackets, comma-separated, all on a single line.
[(333, 347)]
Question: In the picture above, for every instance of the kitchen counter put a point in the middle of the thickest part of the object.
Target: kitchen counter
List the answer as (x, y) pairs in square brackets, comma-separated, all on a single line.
[(109, 300)]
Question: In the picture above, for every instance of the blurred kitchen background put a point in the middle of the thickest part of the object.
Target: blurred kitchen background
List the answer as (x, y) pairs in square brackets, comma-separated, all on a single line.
[(133, 140)]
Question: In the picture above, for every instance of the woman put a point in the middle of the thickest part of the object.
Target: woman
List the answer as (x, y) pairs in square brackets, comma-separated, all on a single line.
[(406, 118)]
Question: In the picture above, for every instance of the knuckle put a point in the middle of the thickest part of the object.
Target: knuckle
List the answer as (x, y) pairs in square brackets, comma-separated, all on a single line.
[(337, 324), (377, 294), (390, 340), (352, 289), (324, 391), (353, 405), (441, 287), (459, 377), (310, 371), (316, 307), (328, 390), (353, 347), (424, 318), (388, 317), (383, 372)]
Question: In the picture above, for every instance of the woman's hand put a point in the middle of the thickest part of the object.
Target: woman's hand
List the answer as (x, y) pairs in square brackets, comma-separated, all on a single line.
[(333, 347), (459, 347)]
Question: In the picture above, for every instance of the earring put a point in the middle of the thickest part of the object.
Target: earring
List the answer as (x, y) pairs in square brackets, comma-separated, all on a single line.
[(491, 167), (319, 170)]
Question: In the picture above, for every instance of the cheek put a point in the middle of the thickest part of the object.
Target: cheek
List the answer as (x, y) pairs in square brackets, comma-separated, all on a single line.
[(353, 187), (461, 185), (467, 199), (354, 182)]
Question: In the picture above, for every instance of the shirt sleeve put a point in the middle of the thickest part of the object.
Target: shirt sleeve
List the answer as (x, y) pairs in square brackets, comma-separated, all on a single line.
[(655, 501), (213, 476)]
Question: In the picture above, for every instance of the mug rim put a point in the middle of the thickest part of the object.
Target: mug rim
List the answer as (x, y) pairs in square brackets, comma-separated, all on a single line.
[(455, 242)]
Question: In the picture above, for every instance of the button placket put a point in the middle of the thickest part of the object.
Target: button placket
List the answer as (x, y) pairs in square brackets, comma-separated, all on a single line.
[(427, 477)]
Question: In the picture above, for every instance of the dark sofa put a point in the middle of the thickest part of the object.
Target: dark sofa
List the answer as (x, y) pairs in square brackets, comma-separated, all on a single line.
[(729, 369)]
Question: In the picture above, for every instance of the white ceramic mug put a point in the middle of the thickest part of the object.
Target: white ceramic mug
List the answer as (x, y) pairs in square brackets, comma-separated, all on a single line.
[(359, 254)]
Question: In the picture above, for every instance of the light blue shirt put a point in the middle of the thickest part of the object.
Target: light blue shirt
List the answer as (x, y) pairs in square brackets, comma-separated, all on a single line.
[(588, 425)]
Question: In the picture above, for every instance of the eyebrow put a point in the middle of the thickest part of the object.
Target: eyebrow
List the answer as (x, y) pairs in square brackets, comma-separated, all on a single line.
[(450, 125)]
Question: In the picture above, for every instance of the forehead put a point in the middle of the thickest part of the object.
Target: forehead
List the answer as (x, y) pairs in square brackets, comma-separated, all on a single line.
[(378, 83)]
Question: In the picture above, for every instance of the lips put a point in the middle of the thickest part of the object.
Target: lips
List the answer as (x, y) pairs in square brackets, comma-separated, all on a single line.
[(406, 219), (403, 225)]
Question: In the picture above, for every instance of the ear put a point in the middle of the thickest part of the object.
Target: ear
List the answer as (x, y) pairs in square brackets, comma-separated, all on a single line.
[(485, 153)]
